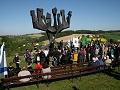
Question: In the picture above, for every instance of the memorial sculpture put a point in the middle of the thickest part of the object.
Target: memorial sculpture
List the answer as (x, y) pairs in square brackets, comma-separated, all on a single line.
[(42, 22)]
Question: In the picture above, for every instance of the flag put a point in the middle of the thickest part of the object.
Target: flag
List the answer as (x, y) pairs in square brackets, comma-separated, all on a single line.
[(3, 64), (69, 43)]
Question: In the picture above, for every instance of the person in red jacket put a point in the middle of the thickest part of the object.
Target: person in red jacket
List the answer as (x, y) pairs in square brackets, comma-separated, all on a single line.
[(38, 67)]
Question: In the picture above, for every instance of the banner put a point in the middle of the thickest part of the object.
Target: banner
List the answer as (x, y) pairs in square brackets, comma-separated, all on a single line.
[(3, 64), (75, 42), (84, 41)]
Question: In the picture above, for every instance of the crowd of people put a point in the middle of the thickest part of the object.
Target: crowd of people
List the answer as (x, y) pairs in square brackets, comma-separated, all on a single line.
[(94, 52)]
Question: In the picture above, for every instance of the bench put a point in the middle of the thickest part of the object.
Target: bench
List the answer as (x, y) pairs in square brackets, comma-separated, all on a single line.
[(67, 66), (70, 66), (92, 69), (37, 78), (59, 74), (14, 81)]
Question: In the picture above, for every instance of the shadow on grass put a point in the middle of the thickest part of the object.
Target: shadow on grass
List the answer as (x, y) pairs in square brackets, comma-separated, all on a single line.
[(113, 74), (75, 88), (116, 72), (1, 88)]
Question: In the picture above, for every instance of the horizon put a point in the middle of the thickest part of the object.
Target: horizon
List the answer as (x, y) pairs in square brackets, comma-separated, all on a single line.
[(62, 31)]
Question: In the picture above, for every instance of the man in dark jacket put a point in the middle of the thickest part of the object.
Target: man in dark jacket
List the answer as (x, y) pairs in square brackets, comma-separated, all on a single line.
[(56, 55), (80, 55), (16, 60), (42, 57), (61, 44)]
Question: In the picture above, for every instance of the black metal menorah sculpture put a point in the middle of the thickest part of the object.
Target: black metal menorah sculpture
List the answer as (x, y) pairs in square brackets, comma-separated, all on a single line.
[(43, 23)]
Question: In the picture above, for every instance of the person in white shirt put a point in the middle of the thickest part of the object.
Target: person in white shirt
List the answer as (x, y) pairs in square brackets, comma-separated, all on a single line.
[(108, 61), (46, 52), (24, 72), (95, 58), (96, 51), (46, 69)]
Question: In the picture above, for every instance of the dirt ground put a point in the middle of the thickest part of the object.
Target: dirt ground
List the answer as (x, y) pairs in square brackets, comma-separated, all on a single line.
[(65, 38)]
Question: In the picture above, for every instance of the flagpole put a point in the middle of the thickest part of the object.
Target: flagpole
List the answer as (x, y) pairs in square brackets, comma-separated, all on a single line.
[(3, 44)]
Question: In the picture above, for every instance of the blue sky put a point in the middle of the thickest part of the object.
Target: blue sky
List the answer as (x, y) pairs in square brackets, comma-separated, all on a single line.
[(15, 16)]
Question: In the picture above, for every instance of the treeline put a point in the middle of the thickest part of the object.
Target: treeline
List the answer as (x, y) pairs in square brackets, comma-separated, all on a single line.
[(20, 43)]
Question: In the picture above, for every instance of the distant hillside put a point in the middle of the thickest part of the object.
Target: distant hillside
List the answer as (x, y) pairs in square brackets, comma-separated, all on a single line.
[(65, 35), (65, 38), (35, 35)]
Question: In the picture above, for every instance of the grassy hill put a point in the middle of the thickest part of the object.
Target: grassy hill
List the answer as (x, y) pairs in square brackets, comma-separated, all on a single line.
[(35, 35), (113, 35)]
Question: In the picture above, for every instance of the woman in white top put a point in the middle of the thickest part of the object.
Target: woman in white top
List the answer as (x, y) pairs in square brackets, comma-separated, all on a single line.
[(96, 51), (95, 58)]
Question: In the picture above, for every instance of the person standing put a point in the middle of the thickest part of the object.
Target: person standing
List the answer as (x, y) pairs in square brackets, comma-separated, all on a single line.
[(64, 57), (42, 57), (96, 51), (112, 53), (17, 61), (31, 56), (56, 55), (80, 56), (27, 56), (88, 52), (84, 50), (61, 45), (72, 47), (51, 47)]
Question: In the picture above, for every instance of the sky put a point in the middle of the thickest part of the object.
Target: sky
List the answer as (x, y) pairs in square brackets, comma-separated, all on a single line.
[(15, 16)]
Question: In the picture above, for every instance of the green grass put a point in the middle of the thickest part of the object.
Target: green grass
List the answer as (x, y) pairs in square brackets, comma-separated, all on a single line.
[(89, 82), (10, 59), (113, 35), (0, 40)]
